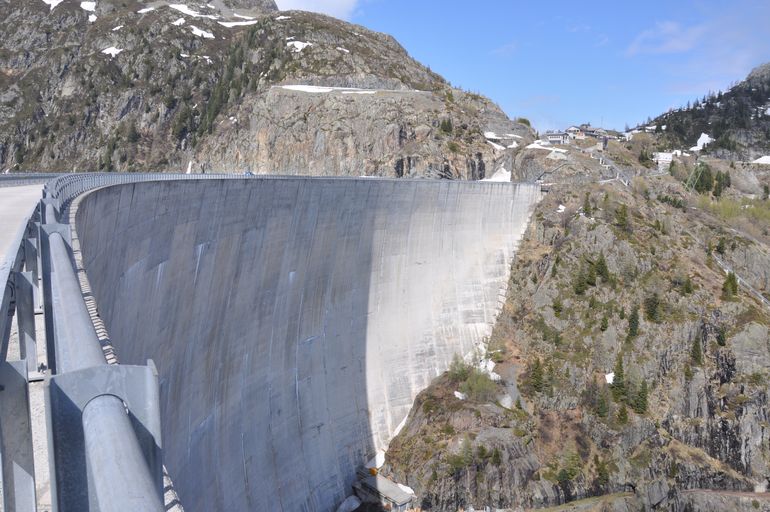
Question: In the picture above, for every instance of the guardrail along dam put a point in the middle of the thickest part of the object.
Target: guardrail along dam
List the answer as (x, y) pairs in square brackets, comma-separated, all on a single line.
[(293, 320)]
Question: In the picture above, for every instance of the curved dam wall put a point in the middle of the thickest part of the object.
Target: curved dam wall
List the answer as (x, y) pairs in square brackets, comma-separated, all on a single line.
[(293, 321)]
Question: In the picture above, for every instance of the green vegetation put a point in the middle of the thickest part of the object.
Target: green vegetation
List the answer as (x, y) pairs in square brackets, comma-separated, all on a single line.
[(621, 218), (535, 376), (623, 415), (618, 385), (633, 324), (524, 121), (730, 287), (587, 206), (474, 383), (453, 146), (696, 353), (652, 308), (673, 201), (446, 126)]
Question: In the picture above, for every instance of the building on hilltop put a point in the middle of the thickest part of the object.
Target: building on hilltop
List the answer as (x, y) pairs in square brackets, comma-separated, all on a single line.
[(575, 133), (557, 137)]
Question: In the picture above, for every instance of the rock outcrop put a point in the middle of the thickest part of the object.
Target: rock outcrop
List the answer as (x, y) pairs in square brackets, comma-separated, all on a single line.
[(229, 87)]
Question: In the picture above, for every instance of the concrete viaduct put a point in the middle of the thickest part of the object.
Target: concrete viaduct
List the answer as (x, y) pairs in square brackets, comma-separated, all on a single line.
[(271, 332)]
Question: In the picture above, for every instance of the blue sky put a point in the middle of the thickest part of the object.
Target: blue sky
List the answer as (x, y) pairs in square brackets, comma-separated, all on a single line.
[(567, 62)]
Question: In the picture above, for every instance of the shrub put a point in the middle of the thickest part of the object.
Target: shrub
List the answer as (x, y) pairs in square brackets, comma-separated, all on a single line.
[(730, 286), (446, 126), (557, 307), (458, 369), (652, 308), (478, 386), (524, 121), (621, 218), (453, 146), (605, 323)]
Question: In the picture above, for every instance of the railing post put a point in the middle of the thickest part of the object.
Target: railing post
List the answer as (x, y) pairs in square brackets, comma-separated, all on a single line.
[(25, 316)]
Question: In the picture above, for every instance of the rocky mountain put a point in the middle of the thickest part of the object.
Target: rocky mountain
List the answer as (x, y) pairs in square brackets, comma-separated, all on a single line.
[(229, 86), (738, 120), (627, 370)]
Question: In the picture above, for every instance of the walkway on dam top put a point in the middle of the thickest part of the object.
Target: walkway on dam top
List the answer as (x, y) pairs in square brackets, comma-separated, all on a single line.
[(16, 203)]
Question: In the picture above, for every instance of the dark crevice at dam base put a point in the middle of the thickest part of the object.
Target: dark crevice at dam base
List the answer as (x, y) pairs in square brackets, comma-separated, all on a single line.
[(293, 321)]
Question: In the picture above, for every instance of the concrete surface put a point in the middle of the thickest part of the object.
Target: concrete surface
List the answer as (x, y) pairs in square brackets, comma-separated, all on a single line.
[(16, 204), (293, 321)]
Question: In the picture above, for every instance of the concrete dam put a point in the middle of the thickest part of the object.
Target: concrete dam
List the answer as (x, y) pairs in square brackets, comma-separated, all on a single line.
[(294, 320)]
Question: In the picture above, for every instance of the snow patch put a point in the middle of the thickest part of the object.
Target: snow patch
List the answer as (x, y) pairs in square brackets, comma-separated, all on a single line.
[(52, 3), (145, 10), (201, 33), (189, 167), (513, 145), (491, 135), (500, 175), (460, 396), (538, 145), (88, 6), (297, 46), (230, 24), (767, 112), (184, 55), (377, 461), (702, 141), (320, 89), (178, 22), (561, 208), (117, 28), (184, 9), (243, 17), (91, 18), (112, 51), (496, 146), (340, 48), (610, 377), (281, 18), (762, 160)]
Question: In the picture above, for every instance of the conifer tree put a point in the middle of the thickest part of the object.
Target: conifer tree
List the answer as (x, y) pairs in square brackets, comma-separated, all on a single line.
[(640, 403), (633, 323), (536, 376), (697, 352), (619, 380), (587, 206), (623, 415)]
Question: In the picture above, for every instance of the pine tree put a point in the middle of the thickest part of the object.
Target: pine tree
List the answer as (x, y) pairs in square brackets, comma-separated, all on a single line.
[(721, 246), (621, 218), (623, 415), (587, 206), (619, 381), (633, 323), (602, 405), (730, 286), (640, 403), (652, 308), (536, 376), (601, 268), (697, 352)]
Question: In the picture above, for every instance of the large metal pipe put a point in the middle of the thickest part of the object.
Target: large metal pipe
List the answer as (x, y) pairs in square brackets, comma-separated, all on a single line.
[(121, 479), (77, 345)]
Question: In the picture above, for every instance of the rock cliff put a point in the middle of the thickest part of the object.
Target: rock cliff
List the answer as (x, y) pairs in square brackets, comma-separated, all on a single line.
[(229, 87)]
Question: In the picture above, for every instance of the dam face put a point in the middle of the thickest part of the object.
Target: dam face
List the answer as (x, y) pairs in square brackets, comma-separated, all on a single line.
[(294, 320)]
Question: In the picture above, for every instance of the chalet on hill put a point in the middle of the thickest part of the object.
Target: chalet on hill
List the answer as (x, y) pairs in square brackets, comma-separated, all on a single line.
[(557, 137)]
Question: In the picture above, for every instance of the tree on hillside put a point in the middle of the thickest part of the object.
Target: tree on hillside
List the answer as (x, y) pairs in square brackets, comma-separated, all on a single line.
[(633, 323), (618, 385)]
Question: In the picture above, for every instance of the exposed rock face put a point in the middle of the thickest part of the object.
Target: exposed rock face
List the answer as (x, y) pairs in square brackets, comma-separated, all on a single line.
[(196, 88), (701, 358)]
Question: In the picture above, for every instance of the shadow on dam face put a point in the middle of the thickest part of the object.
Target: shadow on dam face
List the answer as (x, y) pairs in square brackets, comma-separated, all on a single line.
[(294, 320)]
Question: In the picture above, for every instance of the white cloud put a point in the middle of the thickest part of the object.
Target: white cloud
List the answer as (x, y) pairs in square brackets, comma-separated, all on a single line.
[(342, 9), (666, 37), (506, 50)]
